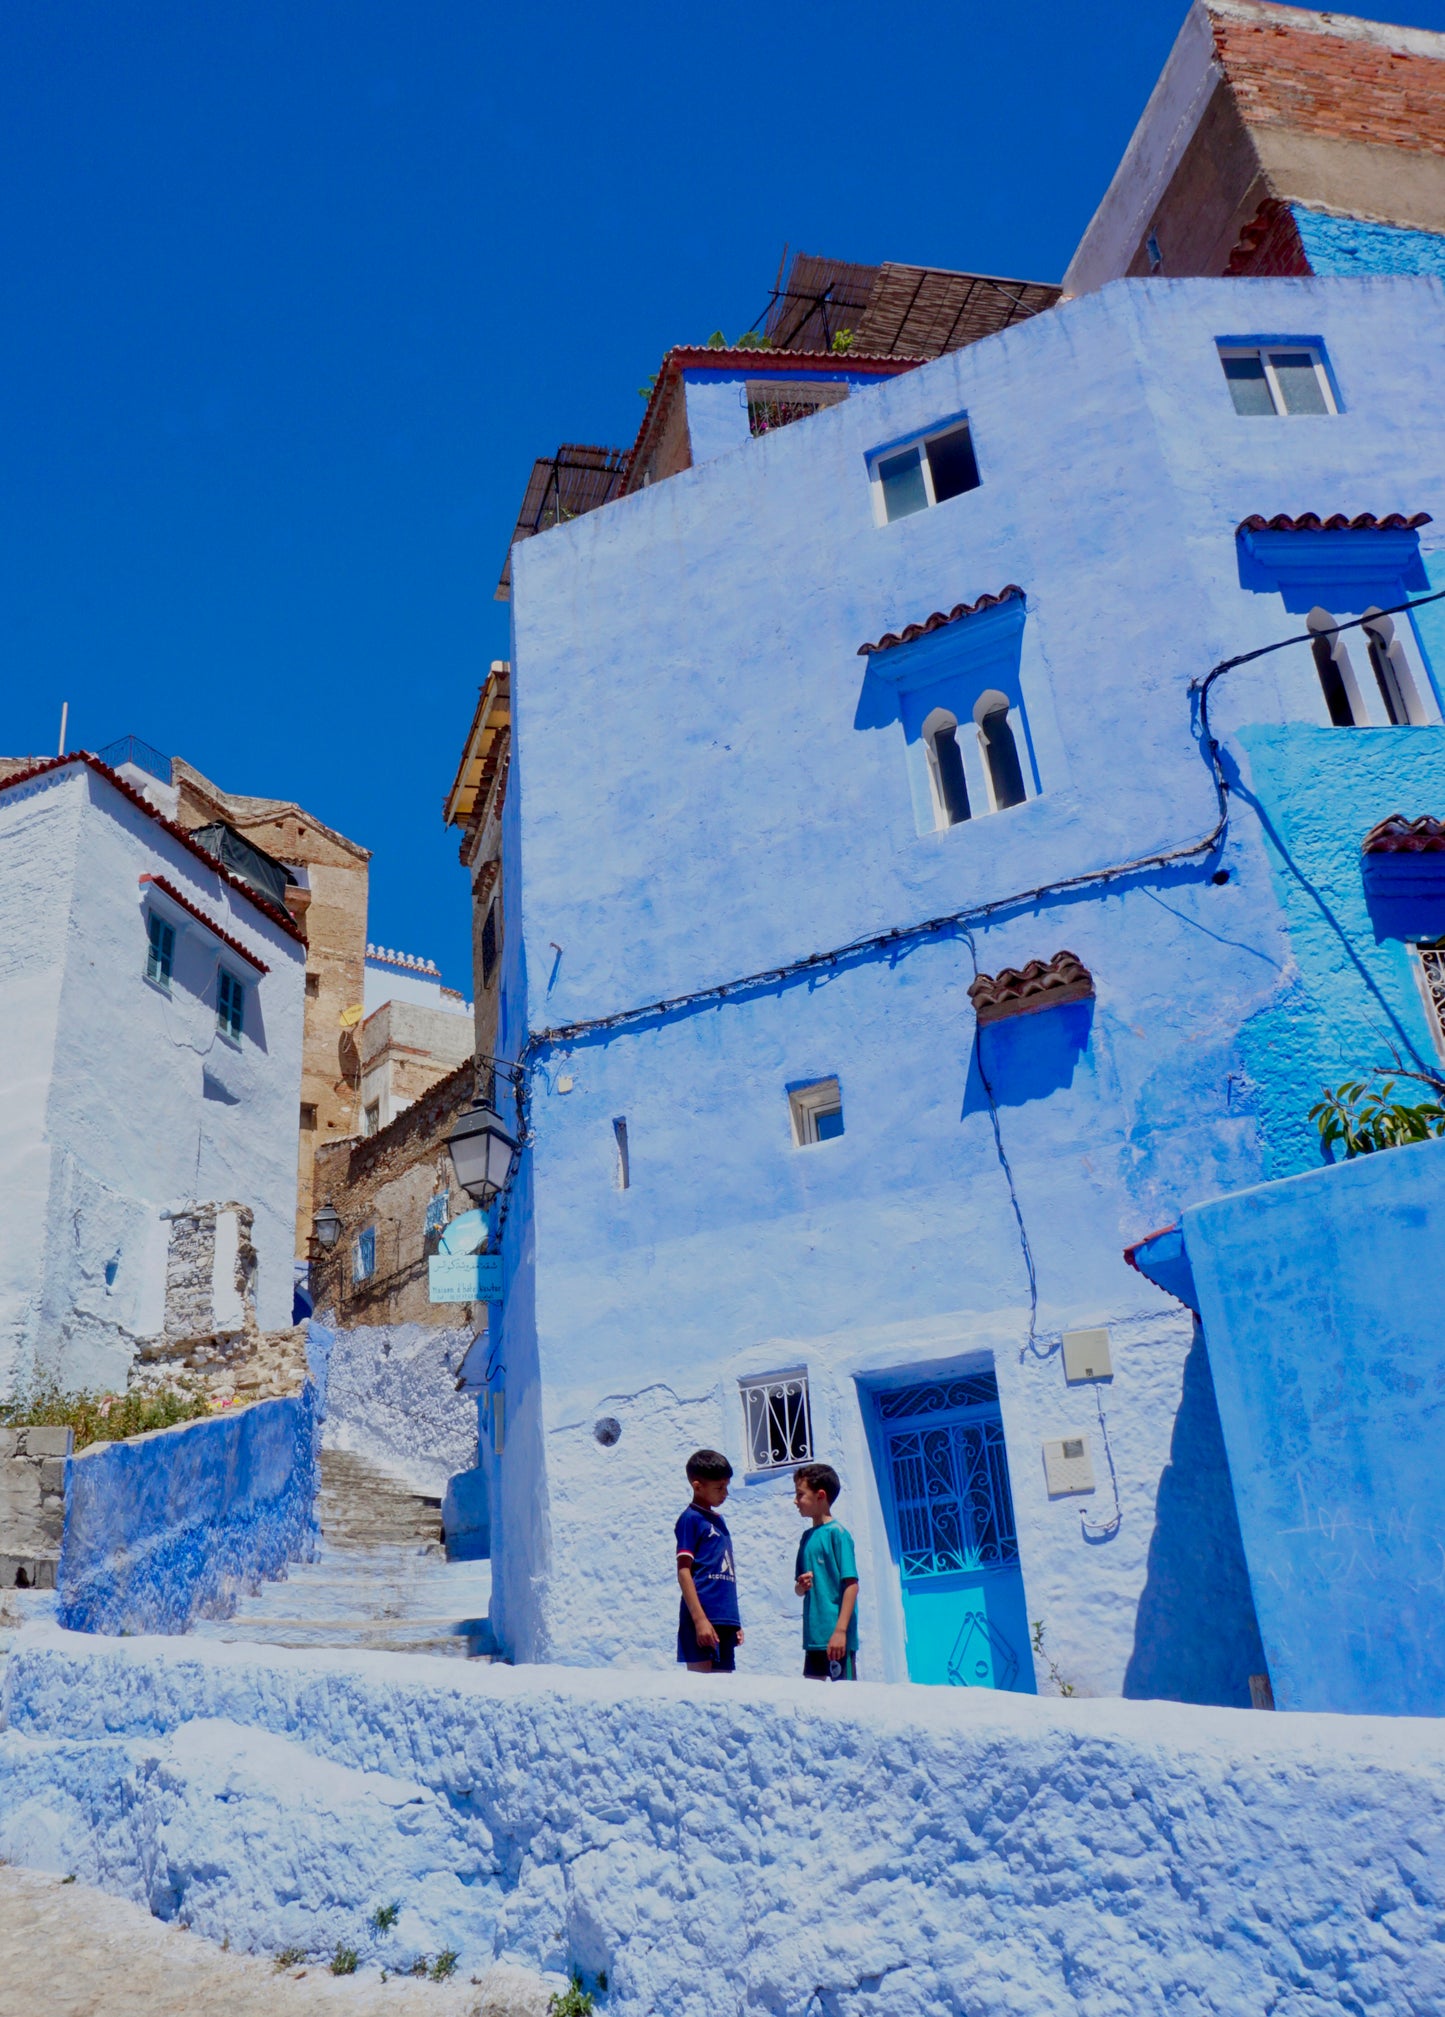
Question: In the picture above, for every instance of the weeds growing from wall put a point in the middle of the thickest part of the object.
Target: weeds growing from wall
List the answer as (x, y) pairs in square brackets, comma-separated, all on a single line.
[(108, 1418)]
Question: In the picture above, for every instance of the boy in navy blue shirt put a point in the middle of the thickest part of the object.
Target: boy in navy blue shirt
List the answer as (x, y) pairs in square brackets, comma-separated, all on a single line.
[(708, 1627)]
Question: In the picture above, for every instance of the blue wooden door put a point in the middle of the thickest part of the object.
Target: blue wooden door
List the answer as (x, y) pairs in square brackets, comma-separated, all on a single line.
[(946, 1487)]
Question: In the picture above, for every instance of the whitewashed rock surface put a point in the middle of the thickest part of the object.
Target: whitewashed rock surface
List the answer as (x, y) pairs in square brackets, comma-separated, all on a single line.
[(753, 1846), (391, 1395), (69, 1951)]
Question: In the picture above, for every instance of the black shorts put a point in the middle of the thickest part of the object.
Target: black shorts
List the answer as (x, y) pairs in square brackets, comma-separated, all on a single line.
[(818, 1667), (723, 1660)]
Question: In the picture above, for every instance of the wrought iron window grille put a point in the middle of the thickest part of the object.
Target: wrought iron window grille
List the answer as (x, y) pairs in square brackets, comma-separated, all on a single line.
[(778, 1420)]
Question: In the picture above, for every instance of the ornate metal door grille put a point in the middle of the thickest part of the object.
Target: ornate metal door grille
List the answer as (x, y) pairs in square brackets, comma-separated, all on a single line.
[(950, 1485)]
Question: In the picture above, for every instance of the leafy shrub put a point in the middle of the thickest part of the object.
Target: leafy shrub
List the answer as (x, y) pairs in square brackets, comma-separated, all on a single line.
[(290, 1957), (384, 1918), (574, 2001), (107, 1418), (1361, 1118), (444, 1964), (343, 1961)]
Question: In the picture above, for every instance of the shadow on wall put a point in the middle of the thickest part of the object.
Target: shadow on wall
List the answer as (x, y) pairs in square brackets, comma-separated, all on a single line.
[(1196, 1638), (1028, 1057)]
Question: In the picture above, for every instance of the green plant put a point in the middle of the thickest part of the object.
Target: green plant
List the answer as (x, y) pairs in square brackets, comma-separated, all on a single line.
[(842, 340), (290, 1957), (573, 2001), (384, 1918), (106, 1418), (343, 1961), (1361, 1118), (445, 1964), (1064, 1687), (419, 1966)]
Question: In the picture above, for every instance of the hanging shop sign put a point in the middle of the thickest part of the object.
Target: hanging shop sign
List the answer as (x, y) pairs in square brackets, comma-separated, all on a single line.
[(465, 1278)]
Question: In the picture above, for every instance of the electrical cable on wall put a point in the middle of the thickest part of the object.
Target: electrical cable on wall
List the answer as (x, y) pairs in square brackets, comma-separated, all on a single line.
[(1106, 1529)]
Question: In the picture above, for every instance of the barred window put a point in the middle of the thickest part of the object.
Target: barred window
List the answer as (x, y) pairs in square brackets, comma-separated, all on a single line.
[(1431, 956), (772, 406), (778, 1422)]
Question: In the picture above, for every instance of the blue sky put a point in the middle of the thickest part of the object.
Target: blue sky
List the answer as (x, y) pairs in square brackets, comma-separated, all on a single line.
[(294, 293)]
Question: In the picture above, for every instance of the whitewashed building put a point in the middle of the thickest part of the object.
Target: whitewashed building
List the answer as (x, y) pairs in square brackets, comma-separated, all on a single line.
[(151, 1007)]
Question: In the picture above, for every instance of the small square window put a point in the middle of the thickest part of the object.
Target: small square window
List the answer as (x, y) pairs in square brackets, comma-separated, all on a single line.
[(489, 944), (926, 472), (817, 1111), (363, 1255), (230, 1006), (371, 1118), (308, 1114), (1283, 379), (778, 1421), (161, 956), (313, 985)]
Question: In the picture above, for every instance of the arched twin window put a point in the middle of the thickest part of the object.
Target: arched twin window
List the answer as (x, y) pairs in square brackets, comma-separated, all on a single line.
[(998, 749), (1399, 695)]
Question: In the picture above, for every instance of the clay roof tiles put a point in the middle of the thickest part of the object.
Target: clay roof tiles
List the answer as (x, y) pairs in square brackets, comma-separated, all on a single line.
[(277, 915), (1020, 991), (1310, 521), (939, 619), (1398, 835)]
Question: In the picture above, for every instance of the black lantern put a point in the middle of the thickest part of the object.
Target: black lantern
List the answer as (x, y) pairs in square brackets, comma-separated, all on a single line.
[(482, 1152), (326, 1226)]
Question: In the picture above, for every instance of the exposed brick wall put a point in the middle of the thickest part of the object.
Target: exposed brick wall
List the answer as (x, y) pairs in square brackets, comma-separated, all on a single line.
[(1269, 247), (1340, 87), (386, 1181)]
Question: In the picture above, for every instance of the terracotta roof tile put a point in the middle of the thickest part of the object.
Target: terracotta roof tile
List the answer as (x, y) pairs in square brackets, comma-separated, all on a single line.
[(939, 619), (1021, 991), (277, 915), (1398, 835), (1310, 521)]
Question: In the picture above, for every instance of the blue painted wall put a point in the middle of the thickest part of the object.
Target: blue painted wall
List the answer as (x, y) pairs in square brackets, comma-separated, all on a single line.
[(1350, 246), (1321, 1300), (709, 782), (175, 1525)]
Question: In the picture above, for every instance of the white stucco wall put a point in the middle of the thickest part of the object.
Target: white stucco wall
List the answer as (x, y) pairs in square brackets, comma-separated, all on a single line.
[(118, 1100)]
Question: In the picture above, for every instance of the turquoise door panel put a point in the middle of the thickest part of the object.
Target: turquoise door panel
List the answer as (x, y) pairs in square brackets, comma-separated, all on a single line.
[(950, 1510)]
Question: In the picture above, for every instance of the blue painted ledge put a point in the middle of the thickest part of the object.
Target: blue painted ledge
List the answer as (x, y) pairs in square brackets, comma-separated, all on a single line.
[(175, 1525)]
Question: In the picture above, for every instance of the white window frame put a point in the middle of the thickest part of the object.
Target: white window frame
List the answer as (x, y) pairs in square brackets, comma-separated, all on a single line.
[(806, 1103), (1265, 352), (959, 423), (788, 1392)]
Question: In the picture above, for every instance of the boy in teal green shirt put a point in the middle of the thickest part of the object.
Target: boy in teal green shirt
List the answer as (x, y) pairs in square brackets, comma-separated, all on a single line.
[(827, 1579)]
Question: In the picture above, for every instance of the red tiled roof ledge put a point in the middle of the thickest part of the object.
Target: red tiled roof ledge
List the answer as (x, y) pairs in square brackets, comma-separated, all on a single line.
[(1310, 521), (1021, 991), (779, 363), (194, 910), (1398, 835), (939, 619), (282, 918)]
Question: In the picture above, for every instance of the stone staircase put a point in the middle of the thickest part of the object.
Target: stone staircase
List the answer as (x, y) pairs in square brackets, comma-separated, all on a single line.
[(382, 1580)]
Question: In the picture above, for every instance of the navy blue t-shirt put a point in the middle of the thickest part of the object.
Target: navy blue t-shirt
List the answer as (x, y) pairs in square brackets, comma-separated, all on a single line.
[(704, 1543)]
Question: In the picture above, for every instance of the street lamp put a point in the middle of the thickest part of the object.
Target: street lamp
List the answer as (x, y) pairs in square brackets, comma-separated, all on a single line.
[(326, 1226), (481, 1152)]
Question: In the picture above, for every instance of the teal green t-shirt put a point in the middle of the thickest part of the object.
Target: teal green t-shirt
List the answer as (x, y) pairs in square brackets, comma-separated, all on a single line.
[(828, 1552)]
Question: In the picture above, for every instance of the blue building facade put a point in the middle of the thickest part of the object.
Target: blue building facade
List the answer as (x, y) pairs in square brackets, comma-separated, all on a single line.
[(874, 1001)]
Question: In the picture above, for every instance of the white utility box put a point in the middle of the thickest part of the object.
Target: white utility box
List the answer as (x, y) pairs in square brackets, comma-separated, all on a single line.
[(1068, 1467), (1086, 1356)]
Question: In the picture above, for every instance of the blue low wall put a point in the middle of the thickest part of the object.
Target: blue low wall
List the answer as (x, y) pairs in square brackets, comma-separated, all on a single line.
[(174, 1525), (1322, 1300)]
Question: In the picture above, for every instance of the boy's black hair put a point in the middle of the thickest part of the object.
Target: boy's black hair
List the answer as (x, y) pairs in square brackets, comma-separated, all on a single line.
[(707, 1465), (820, 1478)]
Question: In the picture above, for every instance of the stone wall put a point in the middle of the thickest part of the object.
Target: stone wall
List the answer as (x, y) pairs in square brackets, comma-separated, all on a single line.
[(392, 1396), (387, 1182), (32, 1505), (742, 1846)]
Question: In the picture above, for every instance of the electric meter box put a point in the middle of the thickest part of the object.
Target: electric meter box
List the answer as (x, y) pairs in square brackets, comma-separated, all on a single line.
[(1086, 1356), (1068, 1466)]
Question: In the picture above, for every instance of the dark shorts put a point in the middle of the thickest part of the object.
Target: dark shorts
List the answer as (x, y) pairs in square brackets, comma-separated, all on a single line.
[(816, 1666), (724, 1660)]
